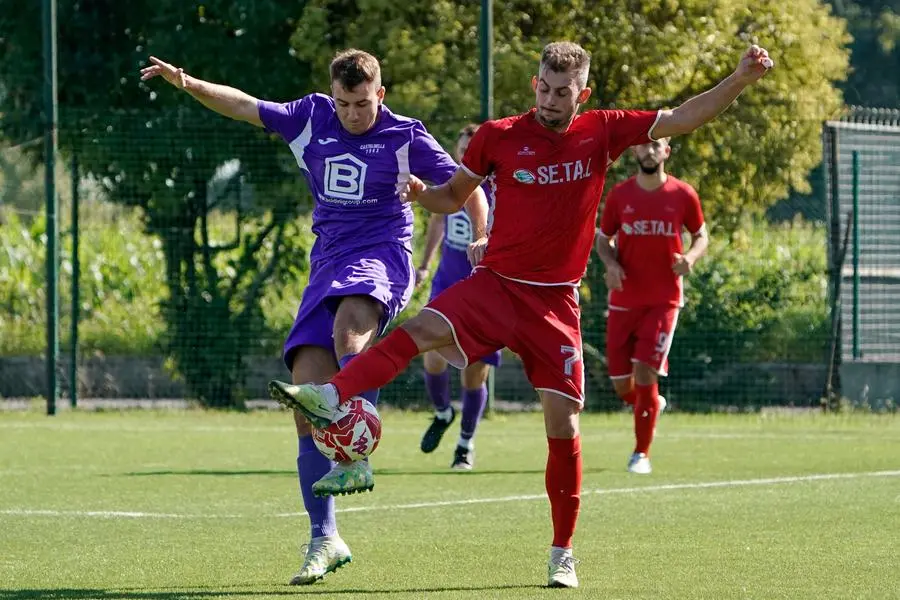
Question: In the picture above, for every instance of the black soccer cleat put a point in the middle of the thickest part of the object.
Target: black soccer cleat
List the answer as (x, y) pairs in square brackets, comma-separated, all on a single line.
[(463, 459), (432, 438)]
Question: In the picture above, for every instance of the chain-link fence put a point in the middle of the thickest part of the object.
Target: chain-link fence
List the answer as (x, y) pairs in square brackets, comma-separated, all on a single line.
[(862, 177), (193, 240)]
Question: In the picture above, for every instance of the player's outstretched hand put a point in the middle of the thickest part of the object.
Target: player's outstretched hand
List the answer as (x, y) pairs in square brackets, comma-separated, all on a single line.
[(754, 64), (170, 73), (476, 250), (681, 265), (410, 189), (615, 275)]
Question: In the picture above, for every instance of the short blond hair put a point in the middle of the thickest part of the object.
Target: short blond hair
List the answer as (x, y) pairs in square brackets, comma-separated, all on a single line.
[(564, 57)]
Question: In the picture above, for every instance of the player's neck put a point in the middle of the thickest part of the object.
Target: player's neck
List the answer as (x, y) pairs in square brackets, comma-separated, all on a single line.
[(652, 181)]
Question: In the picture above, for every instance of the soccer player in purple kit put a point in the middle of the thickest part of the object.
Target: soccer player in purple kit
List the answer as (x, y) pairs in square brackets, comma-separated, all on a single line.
[(455, 231), (354, 153)]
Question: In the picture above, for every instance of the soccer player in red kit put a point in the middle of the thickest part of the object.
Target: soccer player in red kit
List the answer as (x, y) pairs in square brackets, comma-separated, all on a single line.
[(548, 167), (645, 216)]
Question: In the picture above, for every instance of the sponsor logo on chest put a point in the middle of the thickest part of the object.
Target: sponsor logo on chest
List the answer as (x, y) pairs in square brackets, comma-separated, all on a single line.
[(563, 172), (649, 227)]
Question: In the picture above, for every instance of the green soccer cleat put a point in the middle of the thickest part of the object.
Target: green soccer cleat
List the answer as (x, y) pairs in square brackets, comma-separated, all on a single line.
[(561, 568), (324, 555), (346, 478), (310, 400)]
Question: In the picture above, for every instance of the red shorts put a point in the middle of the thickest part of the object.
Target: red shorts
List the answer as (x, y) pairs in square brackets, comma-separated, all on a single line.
[(641, 334), (539, 323)]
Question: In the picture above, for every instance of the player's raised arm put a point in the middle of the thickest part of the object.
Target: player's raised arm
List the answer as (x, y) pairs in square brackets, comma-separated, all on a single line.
[(705, 107), (228, 101)]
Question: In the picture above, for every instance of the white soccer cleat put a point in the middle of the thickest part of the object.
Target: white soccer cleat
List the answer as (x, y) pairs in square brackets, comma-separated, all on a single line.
[(323, 555), (561, 568), (640, 464)]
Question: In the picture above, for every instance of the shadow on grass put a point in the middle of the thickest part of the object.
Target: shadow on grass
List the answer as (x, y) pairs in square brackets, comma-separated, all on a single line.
[(201, 592), (379, 472)]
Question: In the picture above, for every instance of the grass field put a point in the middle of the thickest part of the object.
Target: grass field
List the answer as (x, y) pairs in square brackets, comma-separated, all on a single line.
[(193, 505)]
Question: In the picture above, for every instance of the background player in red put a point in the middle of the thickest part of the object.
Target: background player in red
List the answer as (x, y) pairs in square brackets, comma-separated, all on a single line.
[(549, 165), (645, 215)]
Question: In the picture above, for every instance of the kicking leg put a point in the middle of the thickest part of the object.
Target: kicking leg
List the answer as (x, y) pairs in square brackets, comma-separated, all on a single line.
[(371, 369)]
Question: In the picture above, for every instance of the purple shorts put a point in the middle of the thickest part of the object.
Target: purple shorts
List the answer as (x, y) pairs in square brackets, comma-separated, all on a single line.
[(384, 272), (440, 283)]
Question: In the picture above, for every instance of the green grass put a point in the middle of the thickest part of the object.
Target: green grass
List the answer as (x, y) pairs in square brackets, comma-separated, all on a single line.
[(212, 491)]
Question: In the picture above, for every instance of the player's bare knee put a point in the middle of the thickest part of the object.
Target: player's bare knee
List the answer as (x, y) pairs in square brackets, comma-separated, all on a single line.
[(356, 324), (429, 330), (475, 375), (434, 363), (560, 415)]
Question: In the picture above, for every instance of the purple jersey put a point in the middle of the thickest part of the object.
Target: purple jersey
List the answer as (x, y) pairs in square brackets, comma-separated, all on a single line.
[(454, 264), (354, 178)]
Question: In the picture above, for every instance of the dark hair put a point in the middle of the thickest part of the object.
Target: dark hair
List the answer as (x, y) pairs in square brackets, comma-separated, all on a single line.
[(469, 130), (353, 67), (563, 57)]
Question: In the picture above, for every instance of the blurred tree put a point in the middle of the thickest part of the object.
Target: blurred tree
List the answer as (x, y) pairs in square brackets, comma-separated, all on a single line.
[(647, 54), (875, 58), (156, 148)]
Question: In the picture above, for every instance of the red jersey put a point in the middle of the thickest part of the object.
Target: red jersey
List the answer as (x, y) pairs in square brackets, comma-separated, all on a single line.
[(548, 187), (647, 227)]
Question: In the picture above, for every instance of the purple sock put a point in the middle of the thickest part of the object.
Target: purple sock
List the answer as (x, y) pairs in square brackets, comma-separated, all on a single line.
[(311, 466), (370, 395), (472, 408), (438, 387)]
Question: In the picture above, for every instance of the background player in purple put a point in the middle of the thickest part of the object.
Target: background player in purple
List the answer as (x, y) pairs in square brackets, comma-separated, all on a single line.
[(455, 230), (354, 153)]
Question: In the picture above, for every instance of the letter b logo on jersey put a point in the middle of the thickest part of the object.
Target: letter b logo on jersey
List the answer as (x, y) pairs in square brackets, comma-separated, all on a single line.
[(459, 231), (345, 177)]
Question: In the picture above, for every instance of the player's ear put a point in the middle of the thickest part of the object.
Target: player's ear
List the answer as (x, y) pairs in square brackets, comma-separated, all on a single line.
[(380, 94), (583, 95), (534, 82)]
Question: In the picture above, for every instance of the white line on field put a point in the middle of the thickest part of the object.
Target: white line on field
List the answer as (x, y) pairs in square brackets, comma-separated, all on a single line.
[(114, 514)]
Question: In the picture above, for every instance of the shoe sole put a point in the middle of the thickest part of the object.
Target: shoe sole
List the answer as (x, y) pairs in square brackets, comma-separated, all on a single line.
[(461, 467), (318, 494), (559, 584), (281, 396), (330, 569)]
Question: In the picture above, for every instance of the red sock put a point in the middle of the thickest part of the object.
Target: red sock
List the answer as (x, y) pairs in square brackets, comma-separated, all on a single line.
[(646, 408), (630, 398), (563, 480), (376, 366)]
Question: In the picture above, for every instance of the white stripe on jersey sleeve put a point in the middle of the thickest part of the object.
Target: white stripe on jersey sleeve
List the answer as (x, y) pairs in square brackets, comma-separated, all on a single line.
[(652, 127), (402, 164), (298, 146)]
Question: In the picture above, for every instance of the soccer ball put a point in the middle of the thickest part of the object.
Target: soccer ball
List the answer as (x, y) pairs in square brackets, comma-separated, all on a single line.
[(353, 435)]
